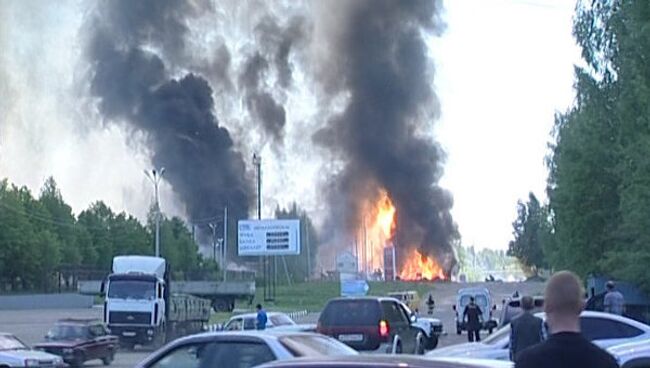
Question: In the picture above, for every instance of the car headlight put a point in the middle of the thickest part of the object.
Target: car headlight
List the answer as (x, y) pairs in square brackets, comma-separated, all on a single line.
[(31, 362), (67, 351)]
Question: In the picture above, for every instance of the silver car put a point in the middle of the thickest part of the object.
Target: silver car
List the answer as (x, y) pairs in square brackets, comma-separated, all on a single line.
[(243, 349), (247, 321), (603, 329), (14, 353), (632, 354)]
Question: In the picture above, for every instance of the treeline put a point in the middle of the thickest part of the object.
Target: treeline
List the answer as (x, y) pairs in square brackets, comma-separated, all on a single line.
[(40, 236), (597, 219)]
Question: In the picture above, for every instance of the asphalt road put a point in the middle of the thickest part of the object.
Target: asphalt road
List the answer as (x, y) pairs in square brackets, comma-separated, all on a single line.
[(32, 325)]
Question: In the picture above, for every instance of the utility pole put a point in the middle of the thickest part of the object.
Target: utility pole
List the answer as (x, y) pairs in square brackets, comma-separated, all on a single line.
[(225, 241), (155, 178), (213, 227)]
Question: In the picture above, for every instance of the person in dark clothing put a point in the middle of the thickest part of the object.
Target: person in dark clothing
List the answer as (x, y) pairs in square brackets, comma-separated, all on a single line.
[(260, 322), (565, 347), (472, 316), (525, 329)]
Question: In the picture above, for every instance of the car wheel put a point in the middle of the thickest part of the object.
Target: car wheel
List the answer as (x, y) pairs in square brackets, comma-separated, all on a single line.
[(398, 349), (419, 346), (432, 342), (107, 360), (79, 360)]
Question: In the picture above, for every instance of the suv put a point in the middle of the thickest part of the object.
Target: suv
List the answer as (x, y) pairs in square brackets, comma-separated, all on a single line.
[(483, 300), (377, 324)]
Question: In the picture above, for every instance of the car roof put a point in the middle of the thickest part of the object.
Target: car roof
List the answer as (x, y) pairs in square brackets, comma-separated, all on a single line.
[(272, 333), (371, 298), (254, 314), (473, 290), (384, 360), (80, 321)]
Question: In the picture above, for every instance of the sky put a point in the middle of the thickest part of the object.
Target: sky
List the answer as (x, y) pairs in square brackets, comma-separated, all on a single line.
[(503, 69)]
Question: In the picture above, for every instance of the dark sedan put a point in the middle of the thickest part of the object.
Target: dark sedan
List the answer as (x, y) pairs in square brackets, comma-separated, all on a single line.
[(78, 341)]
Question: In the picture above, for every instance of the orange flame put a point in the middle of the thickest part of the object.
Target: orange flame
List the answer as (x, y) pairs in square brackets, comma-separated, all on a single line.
[(377, 230), (420, 267)]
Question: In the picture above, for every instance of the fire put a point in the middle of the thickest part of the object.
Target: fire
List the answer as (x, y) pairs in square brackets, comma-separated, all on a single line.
[(376, 233), (420, 267)]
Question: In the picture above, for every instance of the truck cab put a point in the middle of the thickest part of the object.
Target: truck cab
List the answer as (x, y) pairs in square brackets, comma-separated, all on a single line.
[(136, 299), (483, 299)]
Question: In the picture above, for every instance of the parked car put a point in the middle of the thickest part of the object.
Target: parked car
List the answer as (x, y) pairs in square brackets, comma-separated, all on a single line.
[(80, 340), (603, 329), (247, 321), (512, 308), (375, 324), (387, 361), (431, 327), (483, 299), (14, 353), (632, 354), (242, 349)]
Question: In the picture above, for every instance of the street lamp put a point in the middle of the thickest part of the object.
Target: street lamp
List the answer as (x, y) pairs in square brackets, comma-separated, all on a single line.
[(155, 176), (257, 161)]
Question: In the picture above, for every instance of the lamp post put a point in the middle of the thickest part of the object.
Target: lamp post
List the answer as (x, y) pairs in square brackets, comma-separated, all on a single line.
[(155, 176), (257, 161)]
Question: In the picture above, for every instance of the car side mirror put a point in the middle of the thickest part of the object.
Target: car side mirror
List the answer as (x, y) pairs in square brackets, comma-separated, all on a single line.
[(453, 307), (414, 318), (102, 288)]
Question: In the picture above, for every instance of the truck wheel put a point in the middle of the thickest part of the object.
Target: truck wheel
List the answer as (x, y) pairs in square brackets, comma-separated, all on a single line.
[(107, 360), (220, 305)]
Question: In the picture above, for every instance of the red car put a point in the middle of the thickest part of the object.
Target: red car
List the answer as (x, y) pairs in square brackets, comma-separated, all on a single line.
[(80, 340)]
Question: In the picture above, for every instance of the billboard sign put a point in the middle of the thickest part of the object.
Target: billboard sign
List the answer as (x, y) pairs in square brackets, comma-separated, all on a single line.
[(268, 237), (354, 287)]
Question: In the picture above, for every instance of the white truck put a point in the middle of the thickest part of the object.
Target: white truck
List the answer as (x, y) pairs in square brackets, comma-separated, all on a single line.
[(140, 307)]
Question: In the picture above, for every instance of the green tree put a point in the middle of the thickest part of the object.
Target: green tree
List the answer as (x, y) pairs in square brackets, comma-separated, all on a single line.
[(529, 234)]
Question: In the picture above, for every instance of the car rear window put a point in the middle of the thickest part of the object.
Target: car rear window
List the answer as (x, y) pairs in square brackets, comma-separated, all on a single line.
[(310, 346), (351, 313)]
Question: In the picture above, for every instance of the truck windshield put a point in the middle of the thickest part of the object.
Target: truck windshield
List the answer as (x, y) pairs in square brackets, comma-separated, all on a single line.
[(132, 289)]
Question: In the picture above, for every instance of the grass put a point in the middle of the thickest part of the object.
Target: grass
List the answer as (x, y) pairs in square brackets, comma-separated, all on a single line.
[(312, 296)]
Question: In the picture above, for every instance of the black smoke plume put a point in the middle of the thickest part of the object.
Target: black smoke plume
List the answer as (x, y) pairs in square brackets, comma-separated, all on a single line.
[(176, 115), (380, 60)]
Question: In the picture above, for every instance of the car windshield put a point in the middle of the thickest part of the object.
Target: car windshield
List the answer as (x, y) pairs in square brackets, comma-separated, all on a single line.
[(67, 332), (281, 320), (132, 289), (480, 300), (314, 345), (499, 337), (11, 343)]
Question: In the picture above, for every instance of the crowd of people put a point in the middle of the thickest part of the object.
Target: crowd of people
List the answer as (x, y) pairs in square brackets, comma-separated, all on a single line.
[(557, 341)]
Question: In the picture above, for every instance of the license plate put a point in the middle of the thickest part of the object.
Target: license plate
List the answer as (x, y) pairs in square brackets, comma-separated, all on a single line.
[(351, 338), (128, 333)]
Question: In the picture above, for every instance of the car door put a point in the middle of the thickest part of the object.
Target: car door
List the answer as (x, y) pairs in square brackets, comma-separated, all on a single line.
[(398, 324), (224, 353), (412, 330)]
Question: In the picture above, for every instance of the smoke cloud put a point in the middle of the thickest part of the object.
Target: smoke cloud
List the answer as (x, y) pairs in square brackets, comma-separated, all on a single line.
[(133, 86), (380, 61)]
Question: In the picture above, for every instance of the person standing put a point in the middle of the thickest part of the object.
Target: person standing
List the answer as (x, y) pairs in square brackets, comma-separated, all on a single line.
[(261, 318), (525, 329), (614, 302), (565, 347), (472, 316)]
